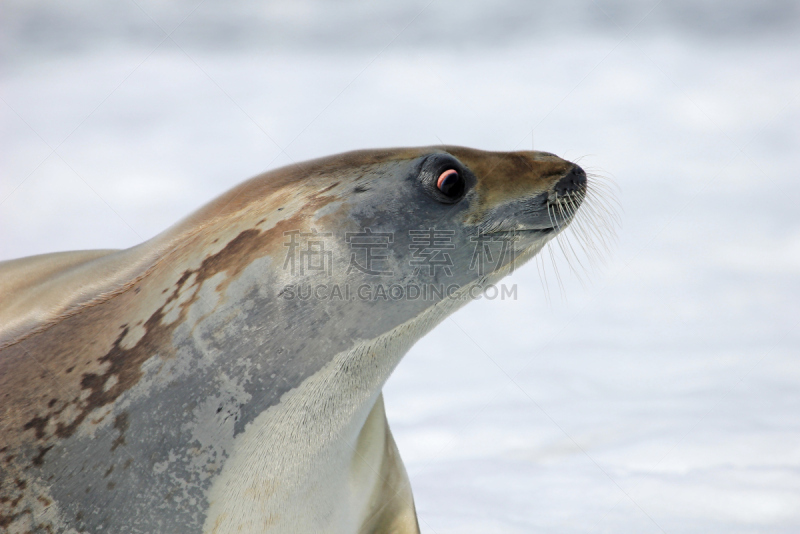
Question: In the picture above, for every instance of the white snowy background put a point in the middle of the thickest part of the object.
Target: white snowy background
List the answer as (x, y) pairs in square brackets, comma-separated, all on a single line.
[(661, 394)]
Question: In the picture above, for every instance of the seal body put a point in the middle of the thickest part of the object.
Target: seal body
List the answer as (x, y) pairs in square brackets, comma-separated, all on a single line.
[(226, 375)]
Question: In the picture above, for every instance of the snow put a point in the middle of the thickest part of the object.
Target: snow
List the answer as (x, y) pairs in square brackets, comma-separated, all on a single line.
[(658, 392)]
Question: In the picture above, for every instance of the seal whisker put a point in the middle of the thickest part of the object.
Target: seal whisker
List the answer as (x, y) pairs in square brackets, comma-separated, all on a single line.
[(564, 242), (584, 232), (591, 217), (588, 221), (604, 217), (606, 192), (551, 210), (540, 268), (560, 283), (578, 232), (592, 241)]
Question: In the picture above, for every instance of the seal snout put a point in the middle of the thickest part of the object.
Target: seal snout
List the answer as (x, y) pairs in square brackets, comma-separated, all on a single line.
[(573, 182)]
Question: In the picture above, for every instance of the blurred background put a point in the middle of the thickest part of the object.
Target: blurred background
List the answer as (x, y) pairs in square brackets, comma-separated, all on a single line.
[(656, 392)]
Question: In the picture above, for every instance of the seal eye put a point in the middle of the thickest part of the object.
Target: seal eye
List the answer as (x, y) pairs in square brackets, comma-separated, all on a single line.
[(450, 183), (444, 178)]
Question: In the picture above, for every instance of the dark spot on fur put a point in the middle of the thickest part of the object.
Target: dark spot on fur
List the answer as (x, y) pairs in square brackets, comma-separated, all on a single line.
[(360, 189), (52, 403), (127, 463), (21, 484), (69, 369), (38, 424), (243, 245), (122, 424), (111, 485), (108, 471), (6, 520), (79, 515), (280, 209), (136, 291), (261, 221), (328, 188), (38, 461)]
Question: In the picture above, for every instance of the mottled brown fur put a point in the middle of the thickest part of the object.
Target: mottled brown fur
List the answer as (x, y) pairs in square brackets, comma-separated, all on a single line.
[(71, 362)]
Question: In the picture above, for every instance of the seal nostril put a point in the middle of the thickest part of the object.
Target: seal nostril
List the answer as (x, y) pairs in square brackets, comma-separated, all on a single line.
[(573, 181)]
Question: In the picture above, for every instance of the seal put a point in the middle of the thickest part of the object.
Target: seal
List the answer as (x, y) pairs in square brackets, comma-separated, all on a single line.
[(226, 375)]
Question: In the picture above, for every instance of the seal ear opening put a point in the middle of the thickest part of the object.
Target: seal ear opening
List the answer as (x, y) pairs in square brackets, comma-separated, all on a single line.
[(444, 178)]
